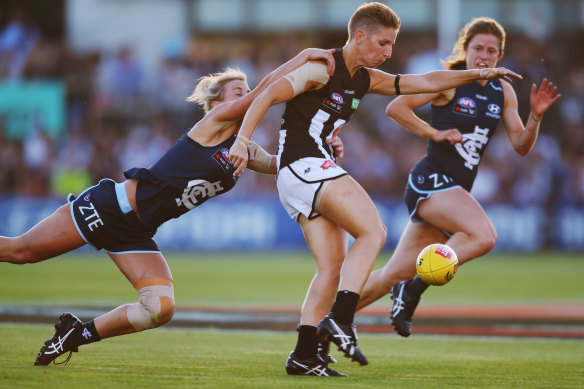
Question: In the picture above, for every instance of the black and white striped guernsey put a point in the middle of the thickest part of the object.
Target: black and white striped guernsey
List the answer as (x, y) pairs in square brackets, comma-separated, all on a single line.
[(310, 118)]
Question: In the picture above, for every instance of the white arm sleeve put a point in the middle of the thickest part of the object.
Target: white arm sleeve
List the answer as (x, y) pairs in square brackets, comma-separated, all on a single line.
[(310, 71)]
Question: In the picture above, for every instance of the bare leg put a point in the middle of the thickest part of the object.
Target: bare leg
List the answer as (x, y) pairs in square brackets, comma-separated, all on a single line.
[(135, 267), (53, 236), (457, 211), (401, 265), (328, 244), (453, 210), (347, 205)]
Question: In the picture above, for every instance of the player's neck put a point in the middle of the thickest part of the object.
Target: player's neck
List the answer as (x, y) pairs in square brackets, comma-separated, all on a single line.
[(352, 58)]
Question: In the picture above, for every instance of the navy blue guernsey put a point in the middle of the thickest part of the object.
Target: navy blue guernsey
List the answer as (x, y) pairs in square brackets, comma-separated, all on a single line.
[(475, 111), (185, 177), (310, 118)]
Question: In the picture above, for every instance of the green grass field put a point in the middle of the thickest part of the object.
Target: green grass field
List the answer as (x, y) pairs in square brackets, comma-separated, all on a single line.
[(221, 359), (282, 278), (244, 359)]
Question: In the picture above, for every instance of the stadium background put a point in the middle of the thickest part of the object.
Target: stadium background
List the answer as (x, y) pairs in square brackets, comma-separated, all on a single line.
[(89, 88)]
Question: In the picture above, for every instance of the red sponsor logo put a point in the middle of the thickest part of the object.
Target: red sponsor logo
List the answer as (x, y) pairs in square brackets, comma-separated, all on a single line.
[(327, 164), (444, 251)]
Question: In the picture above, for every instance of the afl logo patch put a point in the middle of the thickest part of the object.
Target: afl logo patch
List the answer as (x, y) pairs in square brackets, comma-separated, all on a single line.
[(225, 153), (335, 102), (222, 158), (465, 106), (466, 102), (494, 108), (337, 98)]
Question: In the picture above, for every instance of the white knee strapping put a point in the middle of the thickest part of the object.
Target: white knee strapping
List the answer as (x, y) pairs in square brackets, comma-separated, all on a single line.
[(146, 313)]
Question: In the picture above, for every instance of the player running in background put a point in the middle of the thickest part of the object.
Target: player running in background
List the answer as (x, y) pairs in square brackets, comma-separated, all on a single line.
[(438, 198), (317, 193), (122, 218)]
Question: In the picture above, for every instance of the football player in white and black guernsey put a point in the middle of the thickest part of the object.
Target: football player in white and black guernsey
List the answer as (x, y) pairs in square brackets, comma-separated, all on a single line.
[(316, 192), (463, 121), (122, 218)]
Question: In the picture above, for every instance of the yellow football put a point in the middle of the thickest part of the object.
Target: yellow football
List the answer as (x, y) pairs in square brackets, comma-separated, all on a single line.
[(437, 264)]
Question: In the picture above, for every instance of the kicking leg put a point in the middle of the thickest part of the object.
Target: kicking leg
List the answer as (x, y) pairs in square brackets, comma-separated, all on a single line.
[(402, 264)]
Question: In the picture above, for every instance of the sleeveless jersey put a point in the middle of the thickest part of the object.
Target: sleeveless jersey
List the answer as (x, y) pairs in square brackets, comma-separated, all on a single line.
[(184, 178), (310, 118), (475, 111)]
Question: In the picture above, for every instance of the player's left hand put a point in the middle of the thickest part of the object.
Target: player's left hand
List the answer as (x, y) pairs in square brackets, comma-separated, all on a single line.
[(338, 146), (324, 55), (238, 157), (451, 136), (540, 100), (336, 142), (495, 73)]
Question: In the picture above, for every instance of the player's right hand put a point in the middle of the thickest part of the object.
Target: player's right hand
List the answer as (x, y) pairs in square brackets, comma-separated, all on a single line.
[(238, 158), (452, 136)]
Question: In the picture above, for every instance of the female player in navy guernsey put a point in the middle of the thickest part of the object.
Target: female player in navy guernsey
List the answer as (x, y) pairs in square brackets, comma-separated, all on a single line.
[(437, 194), (123, 217), (311, 184)]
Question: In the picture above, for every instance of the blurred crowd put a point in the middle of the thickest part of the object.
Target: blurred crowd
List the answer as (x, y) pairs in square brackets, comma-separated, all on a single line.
[(119, 115)]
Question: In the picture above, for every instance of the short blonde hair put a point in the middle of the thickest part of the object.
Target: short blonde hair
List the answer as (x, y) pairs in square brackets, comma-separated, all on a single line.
[(210, 88), (370, 17)]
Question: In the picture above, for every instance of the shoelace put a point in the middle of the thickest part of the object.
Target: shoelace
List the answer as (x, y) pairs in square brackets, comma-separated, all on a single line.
[(65, 361)]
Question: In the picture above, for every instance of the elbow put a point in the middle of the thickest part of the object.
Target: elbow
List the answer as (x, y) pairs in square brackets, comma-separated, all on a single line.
[(522, 150), (390, 109)]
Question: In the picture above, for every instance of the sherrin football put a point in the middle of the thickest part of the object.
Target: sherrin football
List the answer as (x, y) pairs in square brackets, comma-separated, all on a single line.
[(437, 264)]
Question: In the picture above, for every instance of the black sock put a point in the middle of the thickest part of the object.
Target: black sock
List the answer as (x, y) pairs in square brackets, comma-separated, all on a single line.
[(88, 334), (307, 344), (416, 286), (345, 306)]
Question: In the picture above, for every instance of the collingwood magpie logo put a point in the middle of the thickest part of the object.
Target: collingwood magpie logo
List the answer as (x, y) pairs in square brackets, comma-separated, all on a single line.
[(197, 191)]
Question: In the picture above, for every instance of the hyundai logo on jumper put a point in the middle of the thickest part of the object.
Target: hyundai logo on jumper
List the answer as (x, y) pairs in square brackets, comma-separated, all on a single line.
[(494, 108), (337, 98)]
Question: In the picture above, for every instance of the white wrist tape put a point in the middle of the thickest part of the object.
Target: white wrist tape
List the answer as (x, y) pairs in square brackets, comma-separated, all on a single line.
[(259, 159), (310, 71)]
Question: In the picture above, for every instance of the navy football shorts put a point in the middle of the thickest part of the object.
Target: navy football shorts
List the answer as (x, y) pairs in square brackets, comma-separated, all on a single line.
[(104, 218), (425, 179)]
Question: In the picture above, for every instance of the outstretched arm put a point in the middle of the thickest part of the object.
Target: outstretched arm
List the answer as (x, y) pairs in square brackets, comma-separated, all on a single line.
[(236, 109), (436, 81), (523, 138)]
